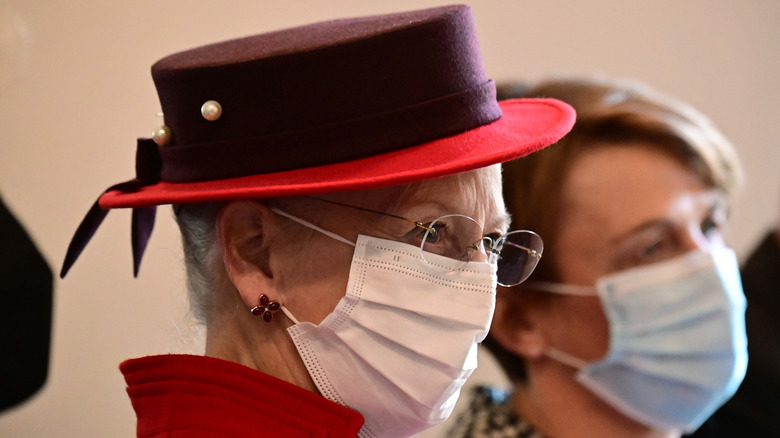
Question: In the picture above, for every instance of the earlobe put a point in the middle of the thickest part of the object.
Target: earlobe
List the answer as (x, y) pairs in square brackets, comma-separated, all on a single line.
[(242, 231), (515, 327)]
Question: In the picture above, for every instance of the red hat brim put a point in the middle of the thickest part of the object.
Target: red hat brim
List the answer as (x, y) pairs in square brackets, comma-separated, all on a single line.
[(527, 125)]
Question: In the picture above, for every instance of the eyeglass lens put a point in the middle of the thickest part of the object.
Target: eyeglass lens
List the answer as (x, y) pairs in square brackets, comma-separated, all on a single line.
[(518, 254), (460, 238), (456, 237)]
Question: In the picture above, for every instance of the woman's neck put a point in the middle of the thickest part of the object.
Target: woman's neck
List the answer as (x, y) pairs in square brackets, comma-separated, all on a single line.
[(266, 347), (557, 405)]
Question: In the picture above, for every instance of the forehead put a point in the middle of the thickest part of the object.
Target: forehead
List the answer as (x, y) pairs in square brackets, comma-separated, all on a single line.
[(612, 193), (614, 188), (476, 193)]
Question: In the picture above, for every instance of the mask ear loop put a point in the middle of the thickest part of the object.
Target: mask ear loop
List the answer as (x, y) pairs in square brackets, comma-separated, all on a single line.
[(306, 224), (289, 315), (563, 289), (565, 358), (286, 311), (560, 288)]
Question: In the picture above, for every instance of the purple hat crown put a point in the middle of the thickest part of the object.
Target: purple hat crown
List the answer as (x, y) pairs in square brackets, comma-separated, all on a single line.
[(323, 93)]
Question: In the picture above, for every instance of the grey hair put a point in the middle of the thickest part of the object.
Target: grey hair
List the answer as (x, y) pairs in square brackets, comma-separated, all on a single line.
[(202, 258)]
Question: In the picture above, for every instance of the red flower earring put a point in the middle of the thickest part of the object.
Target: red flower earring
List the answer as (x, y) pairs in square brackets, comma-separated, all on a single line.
[(265, 308)]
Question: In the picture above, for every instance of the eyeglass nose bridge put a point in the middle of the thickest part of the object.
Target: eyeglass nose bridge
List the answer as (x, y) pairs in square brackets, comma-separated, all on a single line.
[(477, 247), (492, 248)]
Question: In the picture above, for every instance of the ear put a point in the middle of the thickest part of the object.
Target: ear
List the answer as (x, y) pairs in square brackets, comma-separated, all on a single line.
[(243, 233), (516, 323)]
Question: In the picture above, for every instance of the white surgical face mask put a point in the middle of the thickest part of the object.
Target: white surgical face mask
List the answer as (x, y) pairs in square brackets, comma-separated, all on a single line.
[(678, 348), (400, 344)]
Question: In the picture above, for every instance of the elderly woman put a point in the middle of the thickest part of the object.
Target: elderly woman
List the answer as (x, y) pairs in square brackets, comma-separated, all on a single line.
[(338, 191), (633, 323)]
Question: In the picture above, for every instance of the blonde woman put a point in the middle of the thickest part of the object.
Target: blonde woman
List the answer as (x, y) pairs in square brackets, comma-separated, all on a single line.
[(633, 323)]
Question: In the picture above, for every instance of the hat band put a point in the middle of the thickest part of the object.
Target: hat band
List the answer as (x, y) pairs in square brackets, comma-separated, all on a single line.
[(333, 143)]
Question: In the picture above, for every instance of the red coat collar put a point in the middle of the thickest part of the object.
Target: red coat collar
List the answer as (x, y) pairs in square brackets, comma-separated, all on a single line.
[(198, 396)]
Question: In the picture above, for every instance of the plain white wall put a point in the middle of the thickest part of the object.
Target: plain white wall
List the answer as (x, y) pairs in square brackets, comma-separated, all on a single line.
[(75, 92)]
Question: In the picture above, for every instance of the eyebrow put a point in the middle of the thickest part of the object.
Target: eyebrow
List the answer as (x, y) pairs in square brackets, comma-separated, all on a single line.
[(715, 203), (661, 223), (500, 222)]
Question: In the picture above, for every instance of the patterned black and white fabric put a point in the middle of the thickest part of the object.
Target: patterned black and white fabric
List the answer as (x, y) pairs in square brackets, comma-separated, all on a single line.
[(490, 415)]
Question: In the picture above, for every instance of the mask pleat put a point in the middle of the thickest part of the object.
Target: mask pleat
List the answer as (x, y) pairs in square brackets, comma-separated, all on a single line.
[(409, 339), (651, 407)]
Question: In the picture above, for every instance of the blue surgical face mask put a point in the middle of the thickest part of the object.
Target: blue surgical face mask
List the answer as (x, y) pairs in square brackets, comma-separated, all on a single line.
[(677, 348)]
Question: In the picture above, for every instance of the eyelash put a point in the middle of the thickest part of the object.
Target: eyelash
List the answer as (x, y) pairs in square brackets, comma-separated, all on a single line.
[(649, 250), (416, 234), (441, 227), (709, 225), (493, 236)]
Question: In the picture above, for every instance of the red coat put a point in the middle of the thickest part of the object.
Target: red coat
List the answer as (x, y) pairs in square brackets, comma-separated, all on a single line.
[(178, 396)]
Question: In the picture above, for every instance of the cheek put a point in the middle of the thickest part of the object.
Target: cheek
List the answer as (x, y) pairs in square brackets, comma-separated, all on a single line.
[(581, 328), (581, 253), (314, 284)]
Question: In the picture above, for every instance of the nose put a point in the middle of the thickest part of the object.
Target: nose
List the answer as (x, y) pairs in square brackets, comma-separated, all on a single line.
[(478, 251)]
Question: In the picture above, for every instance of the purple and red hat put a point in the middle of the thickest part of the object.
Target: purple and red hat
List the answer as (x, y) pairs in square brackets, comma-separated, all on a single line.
[(341, 105)]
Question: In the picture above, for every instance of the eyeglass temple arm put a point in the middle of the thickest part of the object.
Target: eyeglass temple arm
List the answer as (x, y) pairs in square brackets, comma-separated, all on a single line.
[(416, 223), (532, 252)]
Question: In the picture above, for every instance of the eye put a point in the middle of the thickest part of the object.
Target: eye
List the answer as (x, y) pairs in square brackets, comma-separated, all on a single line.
[(437, 231), (648, 251), (455, 236), (432, 233), (709, 226), (438, 237), (489, 241), (650, 246)]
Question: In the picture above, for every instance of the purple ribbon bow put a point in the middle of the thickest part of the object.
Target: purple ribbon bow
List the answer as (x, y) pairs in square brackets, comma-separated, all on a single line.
[(147, 171)]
